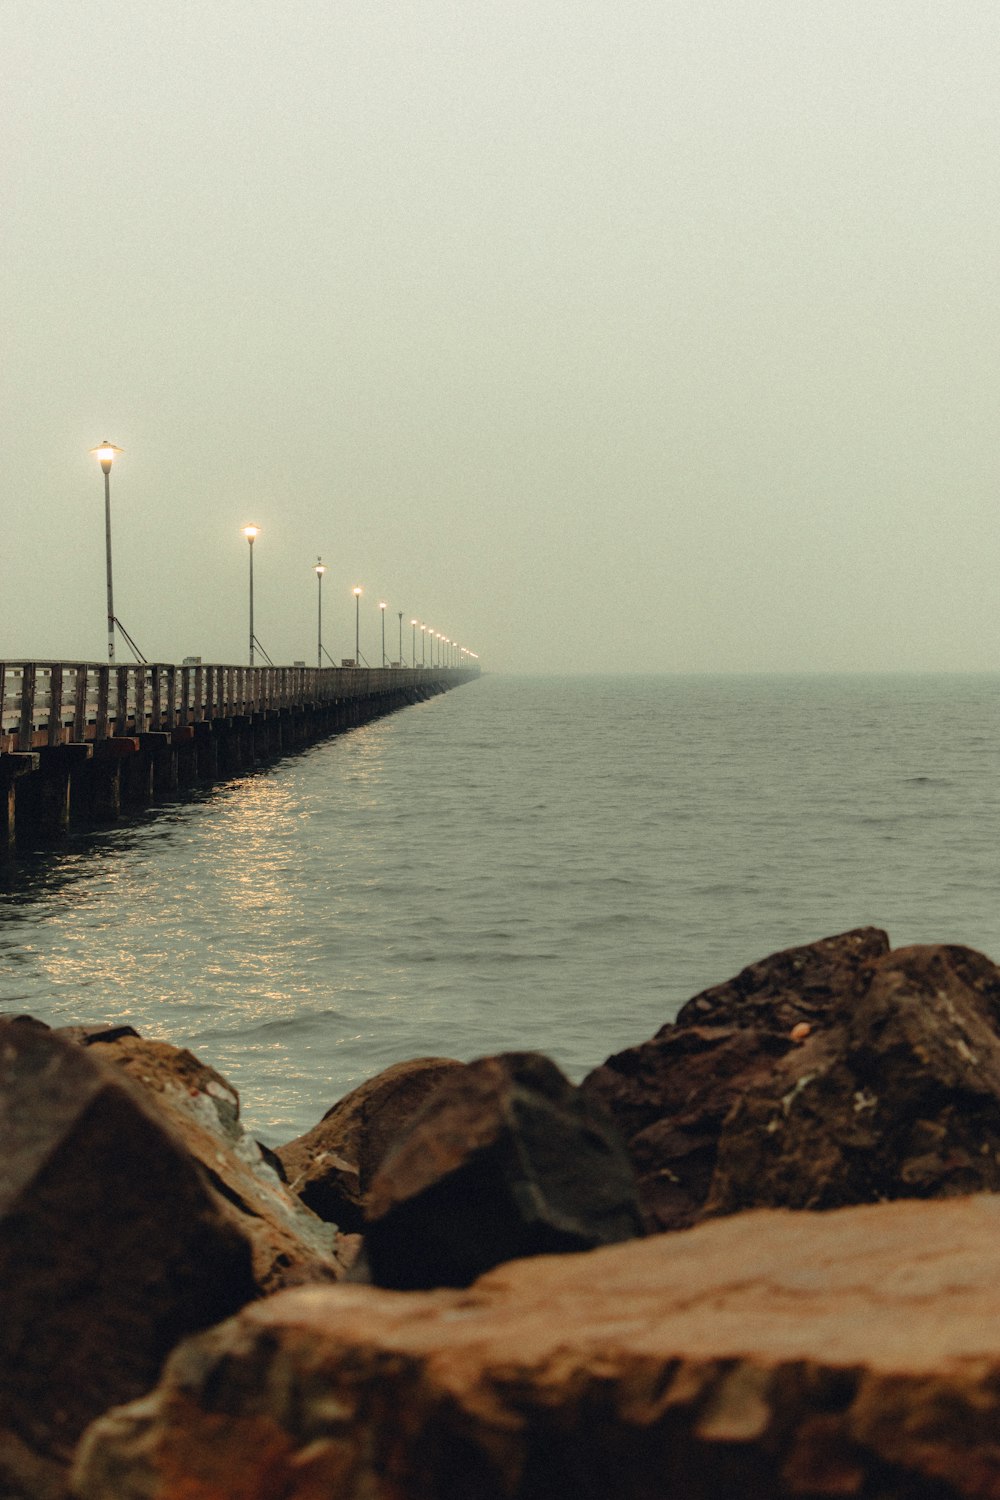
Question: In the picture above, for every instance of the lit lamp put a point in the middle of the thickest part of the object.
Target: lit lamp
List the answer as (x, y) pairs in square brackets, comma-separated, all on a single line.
[(400, 657), (251, 533), (382, 607), (413, 644), (319, 570), (423, 645), (357, 626), (105, 455)]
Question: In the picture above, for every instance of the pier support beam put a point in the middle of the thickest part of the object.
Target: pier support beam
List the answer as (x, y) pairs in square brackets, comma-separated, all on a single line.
[(12, 768), (107, 776), (47, 797), (207, 751), (185, 754), (155, 747)]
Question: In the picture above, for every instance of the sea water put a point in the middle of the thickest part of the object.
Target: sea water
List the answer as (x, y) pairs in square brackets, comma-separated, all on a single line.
[(521, 863)]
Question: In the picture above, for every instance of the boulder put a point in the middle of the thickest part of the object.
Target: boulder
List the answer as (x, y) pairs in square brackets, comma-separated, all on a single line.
[(771, 1356), (788, 988), (332, 1166), (132, 1212), (842, 1072), (898, 1097), (113, 1246), (289, 1243), (505, 1159)]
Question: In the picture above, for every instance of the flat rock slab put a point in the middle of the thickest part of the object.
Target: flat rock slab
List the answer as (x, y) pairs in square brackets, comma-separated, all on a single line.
[(776, 1354)]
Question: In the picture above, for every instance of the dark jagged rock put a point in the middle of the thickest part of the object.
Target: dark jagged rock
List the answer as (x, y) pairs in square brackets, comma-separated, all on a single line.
[(845, 1356), (899, 1098), (838, 1073), (112, 1247), (797, 985), (332, 1166), (133, 1210), (506, 1159), (290, 1244)]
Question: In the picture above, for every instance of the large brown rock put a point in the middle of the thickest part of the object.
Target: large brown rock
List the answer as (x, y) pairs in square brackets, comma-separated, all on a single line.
[(842, 1072), (288, 1242), (796, 985), (897, 1097), (765, 1357), (113, 1246), (505, 1159), (133, 1210), (331, 1167)]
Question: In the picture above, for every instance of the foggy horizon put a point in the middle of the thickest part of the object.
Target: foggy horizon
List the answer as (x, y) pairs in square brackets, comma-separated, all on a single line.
[(661, 341)]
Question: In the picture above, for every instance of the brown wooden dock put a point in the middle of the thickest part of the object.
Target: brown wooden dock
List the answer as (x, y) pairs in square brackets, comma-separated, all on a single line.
[(81, 741)]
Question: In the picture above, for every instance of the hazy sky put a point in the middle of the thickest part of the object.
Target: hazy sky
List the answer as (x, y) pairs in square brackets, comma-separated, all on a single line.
[(661, 334)]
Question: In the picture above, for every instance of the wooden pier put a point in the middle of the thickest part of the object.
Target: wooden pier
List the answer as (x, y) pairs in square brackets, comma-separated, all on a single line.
[(81, 742)]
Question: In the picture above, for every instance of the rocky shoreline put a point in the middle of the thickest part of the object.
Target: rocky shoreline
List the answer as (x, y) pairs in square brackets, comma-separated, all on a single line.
[(757, 1255)]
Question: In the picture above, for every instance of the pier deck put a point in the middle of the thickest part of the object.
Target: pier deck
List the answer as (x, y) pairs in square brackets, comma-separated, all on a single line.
[(81, 741)]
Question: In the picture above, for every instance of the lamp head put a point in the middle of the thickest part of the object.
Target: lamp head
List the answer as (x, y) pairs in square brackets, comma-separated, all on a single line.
[(357, 592), (381, 604), (105, 454), (319, 569), (251, 533)]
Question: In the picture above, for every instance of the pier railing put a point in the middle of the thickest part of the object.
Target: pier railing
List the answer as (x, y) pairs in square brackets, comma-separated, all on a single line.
[(56, 703)]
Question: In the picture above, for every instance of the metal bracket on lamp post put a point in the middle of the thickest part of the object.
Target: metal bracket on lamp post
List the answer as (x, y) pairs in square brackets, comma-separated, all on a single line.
[(260, 648), (129, 641)]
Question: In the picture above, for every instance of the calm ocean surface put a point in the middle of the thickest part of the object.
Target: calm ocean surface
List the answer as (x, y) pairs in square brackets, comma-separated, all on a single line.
[(522, 863)]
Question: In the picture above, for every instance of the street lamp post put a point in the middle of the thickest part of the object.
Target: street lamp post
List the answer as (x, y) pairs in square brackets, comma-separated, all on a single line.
[(106, 453), (357, 626), (413, 644), (251, 533), (382, 607), (319, 570), (400, 657), (423, 645)]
